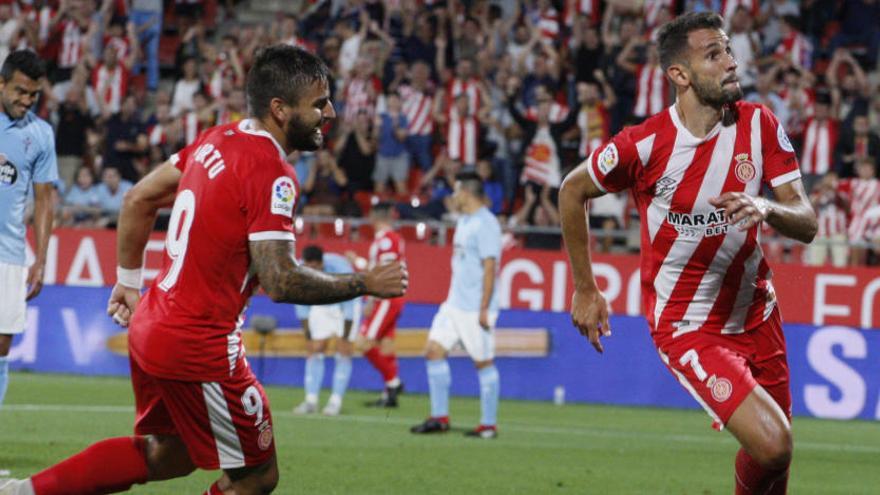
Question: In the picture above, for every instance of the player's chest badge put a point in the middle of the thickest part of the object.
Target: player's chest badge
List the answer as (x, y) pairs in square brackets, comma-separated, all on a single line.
[(744, 169)]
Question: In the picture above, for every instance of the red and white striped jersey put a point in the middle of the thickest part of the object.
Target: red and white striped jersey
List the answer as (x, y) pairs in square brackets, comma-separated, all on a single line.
[(728, 7), (361, 94), (558, 113), (594, 124), (387, 247), (652, 91), (418, 108), (817, 154), (863, 195), (699, 272), (542, 160), (548, 24), (44, 19), (872, 224), (156, 135), (590, 8), (798, 49), (110, 85), (192, 127), (830, 213), (120, 44), (462, 137), (73, 44), (471, 88)]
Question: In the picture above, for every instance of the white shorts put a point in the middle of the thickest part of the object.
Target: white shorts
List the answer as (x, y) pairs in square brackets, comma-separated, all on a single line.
[(13, 287), (327, 321), (452, 326)]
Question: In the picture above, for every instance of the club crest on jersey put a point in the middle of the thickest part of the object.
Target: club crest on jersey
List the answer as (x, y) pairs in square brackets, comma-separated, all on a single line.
[(782, 137), (744, 168), (264, 441), (8, 172), (283, 196), (721, 388), (608, 159)]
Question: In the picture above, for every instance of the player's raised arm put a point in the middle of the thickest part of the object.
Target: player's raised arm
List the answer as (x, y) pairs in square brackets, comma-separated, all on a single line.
[(286, 281), (791, 214), (589, 310)]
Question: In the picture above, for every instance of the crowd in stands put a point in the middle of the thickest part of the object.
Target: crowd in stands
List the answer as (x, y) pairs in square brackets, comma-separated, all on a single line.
[(518, 91)]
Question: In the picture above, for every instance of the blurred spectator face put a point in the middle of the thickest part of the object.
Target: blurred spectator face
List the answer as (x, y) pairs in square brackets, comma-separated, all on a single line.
[(521, 34), (110, 176), (330, 48), (228, 45), (464, 69), (471, 29), (364, 67), (822, 111), (865, 168), (542, 94), (484, 169), (236, 100), (628, 29), (5, 12), (591, 37), (711, 69), (84, 177), (190, 69), (587, 93), (392, 101), (362, 122), (74, 94), (288, 26), (323, 158), (861, 125), (543, 112), (740, 20), (111, 56), (163, 113), (539, 67), (129, 105), (849, 84), (200, 101), (163, 97), (419, 74)]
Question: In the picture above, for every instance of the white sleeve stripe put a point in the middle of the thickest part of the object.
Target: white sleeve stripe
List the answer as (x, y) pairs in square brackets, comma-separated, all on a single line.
[(593, 173), (174, 159), (271, 235), (785, 178)]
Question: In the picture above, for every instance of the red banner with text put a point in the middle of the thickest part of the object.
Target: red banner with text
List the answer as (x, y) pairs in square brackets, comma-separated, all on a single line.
[(531, 279)]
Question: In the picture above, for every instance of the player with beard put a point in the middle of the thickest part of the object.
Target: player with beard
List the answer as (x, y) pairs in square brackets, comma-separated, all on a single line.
[(198, 404), (696, 172)]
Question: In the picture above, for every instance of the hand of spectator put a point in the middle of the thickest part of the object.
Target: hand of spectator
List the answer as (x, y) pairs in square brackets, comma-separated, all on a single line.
[(440, 42), (599, 75)]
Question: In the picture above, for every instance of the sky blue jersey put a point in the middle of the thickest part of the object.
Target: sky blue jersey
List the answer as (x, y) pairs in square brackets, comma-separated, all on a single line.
[(477, 237), (27, 155), (333, 263)]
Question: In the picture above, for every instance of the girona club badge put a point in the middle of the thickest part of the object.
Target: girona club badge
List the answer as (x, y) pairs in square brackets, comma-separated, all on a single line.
[(744, 168), (265, 438), (721, 389)]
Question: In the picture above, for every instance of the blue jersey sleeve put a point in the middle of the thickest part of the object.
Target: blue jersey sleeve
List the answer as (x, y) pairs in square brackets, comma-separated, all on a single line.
[(302, 312), (489, 240), (45, 164)]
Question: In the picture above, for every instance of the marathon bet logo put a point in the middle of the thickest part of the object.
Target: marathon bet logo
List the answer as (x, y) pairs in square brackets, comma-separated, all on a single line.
[(699, 224)]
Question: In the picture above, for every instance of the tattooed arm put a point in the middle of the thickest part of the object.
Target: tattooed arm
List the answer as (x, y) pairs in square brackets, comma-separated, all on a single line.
[(286, 281)]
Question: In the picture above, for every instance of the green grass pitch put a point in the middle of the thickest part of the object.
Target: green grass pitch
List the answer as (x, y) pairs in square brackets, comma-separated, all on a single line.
[(542, 448)]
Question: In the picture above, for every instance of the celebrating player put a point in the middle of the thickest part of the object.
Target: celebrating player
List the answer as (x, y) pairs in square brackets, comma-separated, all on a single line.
[(231, 228), (469, 313), (696, 171), (377, 332), (320, 324), (27, 155)]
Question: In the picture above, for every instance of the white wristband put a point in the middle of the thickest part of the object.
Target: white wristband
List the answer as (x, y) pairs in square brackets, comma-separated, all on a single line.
[(132, 278)]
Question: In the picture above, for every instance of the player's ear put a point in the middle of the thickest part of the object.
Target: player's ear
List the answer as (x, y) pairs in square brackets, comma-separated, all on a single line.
[(279, 109), (678, 74)]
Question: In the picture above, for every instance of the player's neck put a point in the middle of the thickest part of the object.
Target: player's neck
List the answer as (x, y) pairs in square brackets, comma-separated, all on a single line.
[(272, 128), (696, 116), (470, 207)]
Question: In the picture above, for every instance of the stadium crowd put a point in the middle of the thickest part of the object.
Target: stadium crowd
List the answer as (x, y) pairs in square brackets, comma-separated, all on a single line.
[(520, 92)]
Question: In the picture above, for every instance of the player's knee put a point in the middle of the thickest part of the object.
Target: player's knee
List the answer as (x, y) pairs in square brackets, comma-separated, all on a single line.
[(5, 344), (166, 457), (434, 351), (256, 480), (777, 451), (483, 364)]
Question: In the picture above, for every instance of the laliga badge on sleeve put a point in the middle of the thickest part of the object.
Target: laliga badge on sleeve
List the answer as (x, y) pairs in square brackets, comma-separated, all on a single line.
[(782, 137), (283, 196)]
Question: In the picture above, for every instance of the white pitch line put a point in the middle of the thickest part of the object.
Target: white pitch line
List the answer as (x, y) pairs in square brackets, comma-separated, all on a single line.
[(515, 427)]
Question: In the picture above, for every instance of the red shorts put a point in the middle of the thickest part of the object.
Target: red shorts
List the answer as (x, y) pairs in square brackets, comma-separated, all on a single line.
[(721, 370), (382, 322), (225, 425)]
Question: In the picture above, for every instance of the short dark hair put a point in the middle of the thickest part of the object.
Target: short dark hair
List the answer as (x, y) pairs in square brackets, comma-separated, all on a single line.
[(383, 209), (471, 182), (24, 61), (282, 71), (313, 254), (673, 36)]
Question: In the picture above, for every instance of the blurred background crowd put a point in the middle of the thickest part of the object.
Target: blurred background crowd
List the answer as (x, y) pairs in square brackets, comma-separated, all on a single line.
[(518, 91)]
